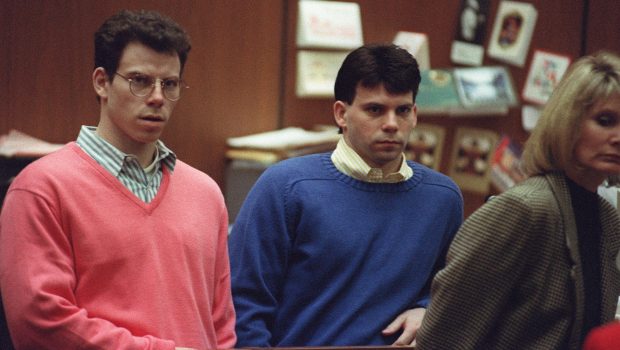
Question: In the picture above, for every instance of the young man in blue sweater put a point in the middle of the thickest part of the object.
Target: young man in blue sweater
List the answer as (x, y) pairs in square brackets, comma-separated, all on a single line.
[(340, 248)]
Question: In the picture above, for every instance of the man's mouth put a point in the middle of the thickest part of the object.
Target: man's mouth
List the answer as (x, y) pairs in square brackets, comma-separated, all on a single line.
[(152, 118)]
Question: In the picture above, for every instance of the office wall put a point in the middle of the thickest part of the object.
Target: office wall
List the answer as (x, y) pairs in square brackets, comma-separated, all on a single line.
[(233, 71), (242, 66), (567, 27)]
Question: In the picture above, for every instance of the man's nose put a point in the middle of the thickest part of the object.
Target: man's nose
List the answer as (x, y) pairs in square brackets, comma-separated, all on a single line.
[(390, 121), (157, 95)]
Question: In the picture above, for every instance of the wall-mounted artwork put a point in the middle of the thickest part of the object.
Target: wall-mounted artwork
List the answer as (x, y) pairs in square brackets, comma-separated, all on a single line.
[(512, 32), (329, 24)]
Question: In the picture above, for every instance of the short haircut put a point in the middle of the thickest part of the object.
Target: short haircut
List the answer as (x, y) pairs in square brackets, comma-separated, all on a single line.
[(589, 80), (376, 64), (149, 28)]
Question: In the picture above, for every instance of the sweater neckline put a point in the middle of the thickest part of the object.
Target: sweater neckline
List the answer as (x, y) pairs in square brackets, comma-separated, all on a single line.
[(418, 173), (116, 183)]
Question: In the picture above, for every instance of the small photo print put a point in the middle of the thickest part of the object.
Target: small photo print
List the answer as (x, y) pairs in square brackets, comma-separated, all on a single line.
[(511, 26), (471, 158), (546, 71), (426, 144)]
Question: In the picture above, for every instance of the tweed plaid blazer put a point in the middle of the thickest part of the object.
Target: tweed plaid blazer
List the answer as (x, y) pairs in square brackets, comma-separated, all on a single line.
[(513, 276)]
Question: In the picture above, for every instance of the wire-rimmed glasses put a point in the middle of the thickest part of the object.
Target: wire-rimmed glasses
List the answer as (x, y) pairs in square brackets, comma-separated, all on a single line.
[(142, 85)]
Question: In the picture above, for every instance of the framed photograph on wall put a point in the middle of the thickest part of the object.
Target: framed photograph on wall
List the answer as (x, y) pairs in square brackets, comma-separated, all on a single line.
[(426, 145), (472, 153), (546, 71), (512, 32)]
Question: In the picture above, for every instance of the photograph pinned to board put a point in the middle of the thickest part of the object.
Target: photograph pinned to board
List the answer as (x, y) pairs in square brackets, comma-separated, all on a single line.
[(425, 145), (470, 165), (512, 32), (329, 24), (468, 45), (417, 45), (316, 72), (485, 86), (546, 71), (529, 116)]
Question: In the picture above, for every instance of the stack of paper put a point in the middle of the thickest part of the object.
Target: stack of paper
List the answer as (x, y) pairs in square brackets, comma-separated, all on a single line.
[(272, 146), (18, 144)]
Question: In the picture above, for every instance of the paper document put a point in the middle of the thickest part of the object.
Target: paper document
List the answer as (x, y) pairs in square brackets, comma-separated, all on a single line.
[(287, 138), (18, 144)]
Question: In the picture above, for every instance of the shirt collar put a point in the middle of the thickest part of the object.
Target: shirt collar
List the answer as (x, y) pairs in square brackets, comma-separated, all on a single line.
[(350, 163), (113, 159)]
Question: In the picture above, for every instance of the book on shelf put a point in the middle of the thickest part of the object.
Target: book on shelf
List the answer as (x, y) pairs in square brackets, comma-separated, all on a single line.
[(437, 92), (488, 86), (512, 32), (506, 164), (462, 92)]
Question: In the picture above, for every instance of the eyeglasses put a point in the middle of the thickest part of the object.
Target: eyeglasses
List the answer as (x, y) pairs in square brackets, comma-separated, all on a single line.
[(142, 85)]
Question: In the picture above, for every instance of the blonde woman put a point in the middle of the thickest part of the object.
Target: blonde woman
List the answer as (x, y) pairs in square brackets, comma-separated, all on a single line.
[(534, 268)]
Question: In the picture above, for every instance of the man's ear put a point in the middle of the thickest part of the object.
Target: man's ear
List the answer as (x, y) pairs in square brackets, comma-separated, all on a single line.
[(100, 82), (340, 110), (415, 115)]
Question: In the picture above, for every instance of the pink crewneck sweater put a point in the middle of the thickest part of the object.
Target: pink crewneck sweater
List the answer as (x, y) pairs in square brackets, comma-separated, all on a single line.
[(85, 264)]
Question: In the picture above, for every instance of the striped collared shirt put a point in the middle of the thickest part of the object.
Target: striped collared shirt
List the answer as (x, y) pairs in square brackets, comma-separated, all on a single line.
[(125, 167), (350, 163)]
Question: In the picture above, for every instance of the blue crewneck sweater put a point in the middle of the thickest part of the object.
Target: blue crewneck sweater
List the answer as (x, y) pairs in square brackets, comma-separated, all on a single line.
[(319, 258)]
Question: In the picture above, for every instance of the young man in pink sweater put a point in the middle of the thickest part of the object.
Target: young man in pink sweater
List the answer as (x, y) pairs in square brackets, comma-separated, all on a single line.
[(111, 242)]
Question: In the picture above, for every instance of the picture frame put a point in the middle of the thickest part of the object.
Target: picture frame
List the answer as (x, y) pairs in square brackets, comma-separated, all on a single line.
[(545, 72), (512, 32), (425, 145), (472, 152)]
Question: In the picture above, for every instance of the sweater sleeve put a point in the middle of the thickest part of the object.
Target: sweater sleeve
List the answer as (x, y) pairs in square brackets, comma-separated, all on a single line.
[(259, 248), (37, 279), (483, 264), (454, 221)]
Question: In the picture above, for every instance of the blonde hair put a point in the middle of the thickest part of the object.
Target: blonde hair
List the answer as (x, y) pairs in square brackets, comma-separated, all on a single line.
[(551, 144)]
